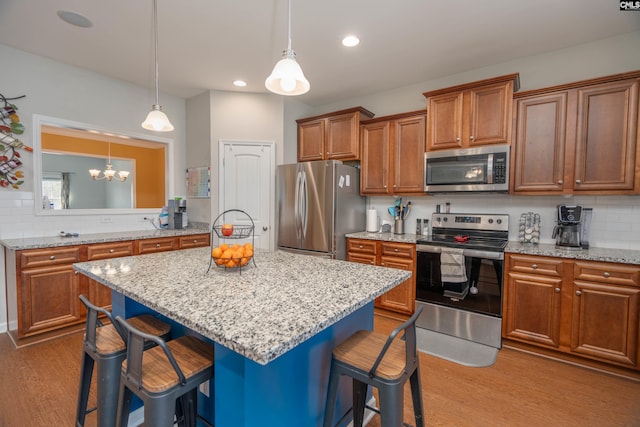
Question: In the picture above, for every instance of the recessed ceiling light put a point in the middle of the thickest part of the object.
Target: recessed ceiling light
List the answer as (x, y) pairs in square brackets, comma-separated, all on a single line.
[(350, 41), (74, 19), (239, 83)]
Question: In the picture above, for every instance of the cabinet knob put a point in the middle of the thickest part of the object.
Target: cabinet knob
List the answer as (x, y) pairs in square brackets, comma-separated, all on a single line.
[(52, 257), (360, 246), (606, 274), (394, 185), (111, 251), (395, 249), (265, 228), (557, 290), (578, 181), (458, 139), (534, 266), (471, 137), (76, 272), (382, 264), (578, 293), (385, 186), (373, 263), (157, 245), (195, 240), (560, 182)]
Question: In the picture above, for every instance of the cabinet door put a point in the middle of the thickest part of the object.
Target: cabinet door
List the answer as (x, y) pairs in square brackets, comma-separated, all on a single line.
[(539, 143), (605, 322), (489, 115), (444, 128), (342, 141), (311, 140), (374, 178), (532, 309), (48, 300), (408, 155), (606, 138), (402, 297)]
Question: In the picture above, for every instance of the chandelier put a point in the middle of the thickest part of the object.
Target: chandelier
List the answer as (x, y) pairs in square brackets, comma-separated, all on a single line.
[(108, 174)]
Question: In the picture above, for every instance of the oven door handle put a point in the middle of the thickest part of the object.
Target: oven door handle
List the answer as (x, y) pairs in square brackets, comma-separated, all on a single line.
[(473, 253)]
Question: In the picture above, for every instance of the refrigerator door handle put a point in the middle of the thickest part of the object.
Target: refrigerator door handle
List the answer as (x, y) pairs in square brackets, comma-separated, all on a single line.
[(296, 204), (303, 205)]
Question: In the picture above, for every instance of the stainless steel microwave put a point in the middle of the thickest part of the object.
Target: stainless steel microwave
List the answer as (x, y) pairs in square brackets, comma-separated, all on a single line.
[(469, 169)]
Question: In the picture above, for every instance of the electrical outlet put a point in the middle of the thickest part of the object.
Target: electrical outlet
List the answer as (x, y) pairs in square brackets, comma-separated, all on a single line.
[(204, 388)]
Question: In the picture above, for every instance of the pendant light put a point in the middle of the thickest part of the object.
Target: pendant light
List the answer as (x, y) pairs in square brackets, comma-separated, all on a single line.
[(287, 77), (108, 174), (156, 120)]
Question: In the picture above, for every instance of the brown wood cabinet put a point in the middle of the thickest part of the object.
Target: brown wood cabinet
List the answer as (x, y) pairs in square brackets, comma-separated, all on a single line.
[(472, 114), (331, 136), (581, 308), (392, 154), (400, 299), (43, 288), (579, 138)]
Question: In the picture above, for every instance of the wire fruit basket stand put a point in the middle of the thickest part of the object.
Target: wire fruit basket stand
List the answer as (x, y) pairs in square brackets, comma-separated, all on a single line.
[(232, 256)]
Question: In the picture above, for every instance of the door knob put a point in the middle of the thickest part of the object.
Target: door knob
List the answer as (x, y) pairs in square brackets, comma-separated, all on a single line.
[(265, 228)]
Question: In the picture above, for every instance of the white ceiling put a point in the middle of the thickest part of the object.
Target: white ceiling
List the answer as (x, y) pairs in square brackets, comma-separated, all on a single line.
[(206, 44)]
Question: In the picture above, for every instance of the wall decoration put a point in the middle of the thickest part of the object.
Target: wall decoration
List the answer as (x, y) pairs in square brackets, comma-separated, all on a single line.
[(10, 158), (199, 182)]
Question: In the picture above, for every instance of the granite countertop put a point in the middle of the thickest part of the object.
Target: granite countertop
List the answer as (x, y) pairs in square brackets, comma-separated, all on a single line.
[(83, 239), (622, 256), (385, 237), (260, 312)]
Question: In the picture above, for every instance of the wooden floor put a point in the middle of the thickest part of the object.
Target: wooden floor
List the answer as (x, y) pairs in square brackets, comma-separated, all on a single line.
[(38, 387)]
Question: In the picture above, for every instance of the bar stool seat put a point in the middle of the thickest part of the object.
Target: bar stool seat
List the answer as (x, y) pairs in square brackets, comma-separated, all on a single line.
[(104, 344), (165, 377), (384, 362)]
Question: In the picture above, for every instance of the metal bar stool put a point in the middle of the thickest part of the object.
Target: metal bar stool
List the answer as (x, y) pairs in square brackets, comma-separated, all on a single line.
[(383, 362), (165, 377), (105, 344)]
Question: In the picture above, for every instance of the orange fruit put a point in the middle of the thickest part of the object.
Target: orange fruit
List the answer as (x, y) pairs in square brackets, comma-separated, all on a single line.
[(248, 245), (248, 253), (220, 261), (231, 263), (235, 246), (224, 247), (216, 252), (228, 254), (244, 261)]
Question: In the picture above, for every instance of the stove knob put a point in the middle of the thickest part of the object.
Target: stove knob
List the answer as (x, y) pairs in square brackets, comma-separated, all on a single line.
[(445, 219), (499, 221), (491, 220)]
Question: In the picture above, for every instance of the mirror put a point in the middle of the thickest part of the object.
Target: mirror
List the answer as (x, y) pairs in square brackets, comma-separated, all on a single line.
[(64, 151)]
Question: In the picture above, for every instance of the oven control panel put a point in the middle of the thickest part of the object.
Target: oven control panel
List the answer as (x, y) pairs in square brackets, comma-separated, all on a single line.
[(497, 222)]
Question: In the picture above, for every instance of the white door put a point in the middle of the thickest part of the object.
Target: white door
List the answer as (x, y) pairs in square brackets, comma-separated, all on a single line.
[(247, 183)]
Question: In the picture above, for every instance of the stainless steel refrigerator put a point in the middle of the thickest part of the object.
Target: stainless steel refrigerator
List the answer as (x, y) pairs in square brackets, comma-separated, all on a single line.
[(318, 203)]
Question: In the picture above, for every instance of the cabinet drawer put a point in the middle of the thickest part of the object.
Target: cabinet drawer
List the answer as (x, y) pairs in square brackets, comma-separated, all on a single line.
[(361, 258), (362, 246), (194, 241), (156, 245), (49, 256), (399, 250), (535, 265), (617, 274), (109, 250)]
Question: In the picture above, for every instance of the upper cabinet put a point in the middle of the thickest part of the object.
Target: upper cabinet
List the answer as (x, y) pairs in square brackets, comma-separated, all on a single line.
[(392, 154), (473, 114), (331, 136), (579, 138)]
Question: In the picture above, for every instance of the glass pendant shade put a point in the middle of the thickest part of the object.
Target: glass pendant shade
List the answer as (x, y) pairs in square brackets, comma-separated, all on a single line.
[(157, 120), (287, 77), (108, 173)]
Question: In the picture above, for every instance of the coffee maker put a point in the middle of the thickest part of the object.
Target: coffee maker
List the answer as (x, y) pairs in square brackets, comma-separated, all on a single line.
[(177, 213), (572, 229)]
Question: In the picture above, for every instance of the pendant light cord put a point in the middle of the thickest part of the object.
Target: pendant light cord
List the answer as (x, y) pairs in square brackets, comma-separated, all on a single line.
[(289, 45), (155, 38)]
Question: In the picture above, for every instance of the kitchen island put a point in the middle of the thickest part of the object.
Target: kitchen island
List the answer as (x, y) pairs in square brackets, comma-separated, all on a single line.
[(274, 324)]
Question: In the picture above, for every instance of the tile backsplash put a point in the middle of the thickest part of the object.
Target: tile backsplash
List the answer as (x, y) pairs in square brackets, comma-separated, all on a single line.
[(615, 222)]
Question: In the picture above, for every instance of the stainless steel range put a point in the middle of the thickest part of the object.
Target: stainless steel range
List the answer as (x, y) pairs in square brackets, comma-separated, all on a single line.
[(459, 276)]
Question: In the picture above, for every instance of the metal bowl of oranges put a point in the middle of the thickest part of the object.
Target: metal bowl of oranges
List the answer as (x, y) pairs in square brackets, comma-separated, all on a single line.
[(232, 256)]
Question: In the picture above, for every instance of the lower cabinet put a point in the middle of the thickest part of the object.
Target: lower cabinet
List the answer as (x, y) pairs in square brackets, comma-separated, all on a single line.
[(581, 308), (43, 287), (402, 256)]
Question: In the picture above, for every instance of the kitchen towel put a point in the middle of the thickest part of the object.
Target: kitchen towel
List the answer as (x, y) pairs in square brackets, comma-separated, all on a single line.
[(452, 266), (372, 221)]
